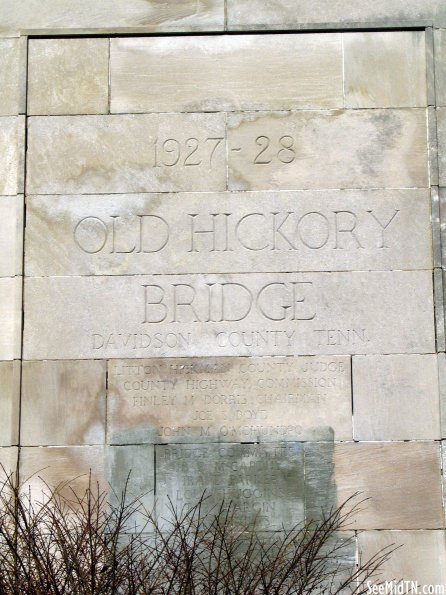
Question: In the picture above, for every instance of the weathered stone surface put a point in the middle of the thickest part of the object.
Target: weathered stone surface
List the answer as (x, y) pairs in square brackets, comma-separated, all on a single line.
[(63, 403), (441, 128), (68, 76), (8, 461), (320, 481), (442, 389), (10, 317), (385, 69), (283, 14), (155, 74), (229, 400), (12, 147), (11, 235), (402, 480), (211, 315), (395, 397), (9, 402), (131, 470), (135, 233), (442, 222), (126, 153), (12, 75), (440, 65), (264, 481), (87, 16), (66, 467), (421, 555), (349, 149)]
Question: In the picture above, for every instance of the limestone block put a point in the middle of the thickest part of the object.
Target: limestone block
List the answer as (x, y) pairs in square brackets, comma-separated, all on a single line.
[(216, 233), (131, 475), (402, 481), (155, 74), (126, 153), (441, 128), (282, 14), (12, 148), (63, 403), (10, 317), (67, 468), (68, 76), (421, 555), (442, 383), (101, 16), (385, 69), (320, 480), (396, 397), (229, 400), (11, 235), (240, 314), (440, 65), (12, 75), (9, 402), (332, 149), (8, 462), (264, 482)]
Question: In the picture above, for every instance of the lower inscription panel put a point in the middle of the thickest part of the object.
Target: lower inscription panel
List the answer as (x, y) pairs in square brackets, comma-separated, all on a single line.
[(229, 400), (244, 314)]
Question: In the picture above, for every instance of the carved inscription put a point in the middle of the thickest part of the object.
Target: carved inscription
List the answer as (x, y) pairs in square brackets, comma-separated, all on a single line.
[(184, 233), (229, 400)]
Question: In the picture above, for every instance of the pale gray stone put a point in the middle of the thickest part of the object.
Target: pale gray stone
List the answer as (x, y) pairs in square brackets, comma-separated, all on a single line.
[(332, 149), (385, 69), (441, 129), (442, 199), (320, 485), (229, 400), (442, 389), (12, 75), (402, 481), (440, 65), (8, 463), (155, 74), (109, 16), (68, 76), (11, 235), (9, 402), (263, 314), (420, 555), (134, 233), (126, 153), (131, 476), (283, 14), (12, 149), (395, 397), (439, 309), (63, 403), (65, 468), (10, 317), (264, 482)]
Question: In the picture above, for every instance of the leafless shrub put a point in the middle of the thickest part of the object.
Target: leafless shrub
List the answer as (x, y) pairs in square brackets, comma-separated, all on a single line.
[(79, 544)]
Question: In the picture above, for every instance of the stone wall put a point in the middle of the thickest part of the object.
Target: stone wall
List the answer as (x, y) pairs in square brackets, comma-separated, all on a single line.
[(221, 261)]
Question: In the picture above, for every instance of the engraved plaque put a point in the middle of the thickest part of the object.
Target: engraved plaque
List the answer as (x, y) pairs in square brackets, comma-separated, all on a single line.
[(229, 400)]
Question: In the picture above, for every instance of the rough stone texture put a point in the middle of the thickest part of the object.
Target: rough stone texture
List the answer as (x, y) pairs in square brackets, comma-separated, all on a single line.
[(421, 555), (101, 16), (385, 69), (9, 402), (353, 149), (402, 480), (320, 480), (155, 74), (440, 65), (65, 467), (11, 235), (12, 140), (229, 400), (265, 480), (441, 123), (304, 313), (68, 76), (395, 397), (10, 317), (12, 75), (283, 14), (126, 153), (331, 230), (63, 403), (442, 223)]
